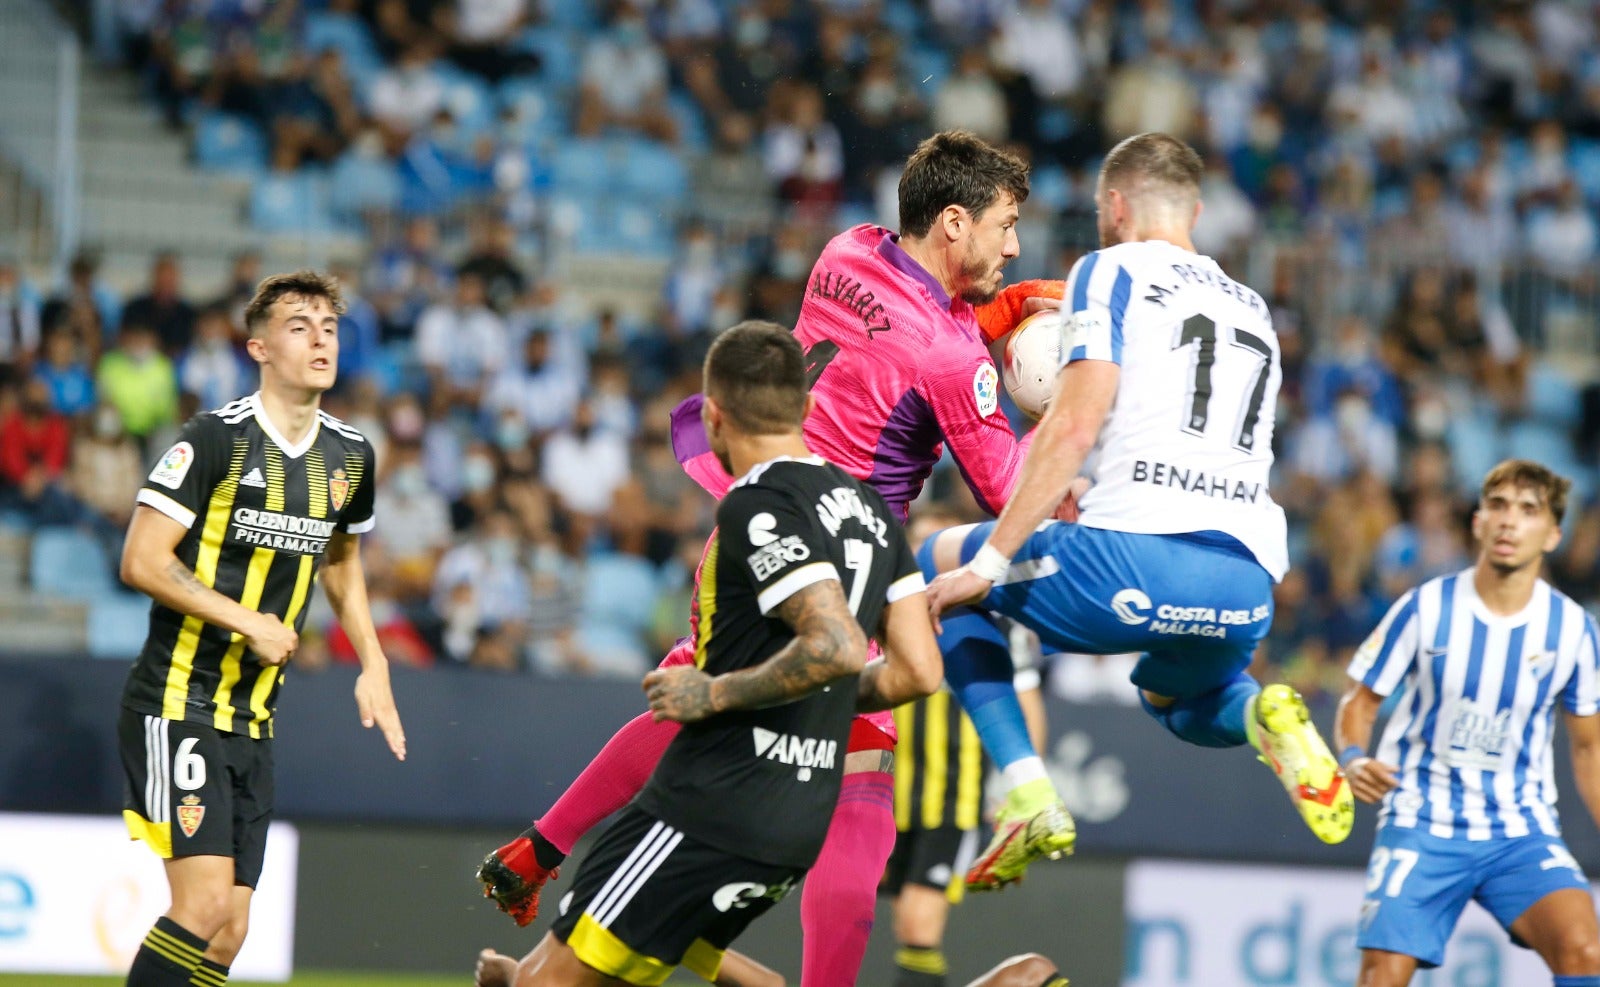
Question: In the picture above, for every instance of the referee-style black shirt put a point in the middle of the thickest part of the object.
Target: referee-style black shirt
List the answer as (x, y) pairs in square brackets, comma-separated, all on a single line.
[(260, 512), (761, 784)]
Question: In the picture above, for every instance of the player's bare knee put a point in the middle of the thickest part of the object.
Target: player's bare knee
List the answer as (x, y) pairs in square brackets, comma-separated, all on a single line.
[(1577, 953), (203, 911)]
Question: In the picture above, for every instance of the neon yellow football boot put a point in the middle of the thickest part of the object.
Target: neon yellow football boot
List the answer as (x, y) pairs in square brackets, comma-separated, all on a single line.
[(1279, 726), (1033, 824)]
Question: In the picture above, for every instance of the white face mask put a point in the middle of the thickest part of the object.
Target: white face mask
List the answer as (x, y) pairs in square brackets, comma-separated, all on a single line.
[(477, 474)]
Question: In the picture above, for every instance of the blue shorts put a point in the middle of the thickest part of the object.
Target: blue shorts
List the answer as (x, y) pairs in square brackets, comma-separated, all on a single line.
[(1418, 884), (1196, 605)]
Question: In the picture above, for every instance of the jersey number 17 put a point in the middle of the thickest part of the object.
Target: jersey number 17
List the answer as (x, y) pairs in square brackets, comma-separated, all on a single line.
[(1202, 329)]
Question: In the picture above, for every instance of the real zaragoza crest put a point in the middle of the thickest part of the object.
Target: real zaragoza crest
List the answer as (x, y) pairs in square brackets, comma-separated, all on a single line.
[(338, 489), (190, 814)]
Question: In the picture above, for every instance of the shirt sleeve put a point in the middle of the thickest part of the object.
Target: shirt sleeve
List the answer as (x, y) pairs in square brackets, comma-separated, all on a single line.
[(1098, 291), (358, 517), (1581, 697), (776, 546), (906, 578), (182, 479), (962, 388), (1389, 651)]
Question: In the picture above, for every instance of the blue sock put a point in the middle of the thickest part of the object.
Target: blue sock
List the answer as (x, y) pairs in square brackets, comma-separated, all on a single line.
[(1212, 719), (1590, 981), (978, 669)]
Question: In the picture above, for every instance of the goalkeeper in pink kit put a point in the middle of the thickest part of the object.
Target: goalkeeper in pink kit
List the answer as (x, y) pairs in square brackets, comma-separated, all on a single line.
[(899, 367)]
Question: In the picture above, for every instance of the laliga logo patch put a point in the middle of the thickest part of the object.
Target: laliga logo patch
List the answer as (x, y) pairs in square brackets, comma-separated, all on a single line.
[(1131, 606), (174, 466), (190, 814), (986, 389), (338, 489)]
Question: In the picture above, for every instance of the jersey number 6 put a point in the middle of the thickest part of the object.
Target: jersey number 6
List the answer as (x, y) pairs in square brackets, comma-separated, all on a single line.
[(1202, 329)]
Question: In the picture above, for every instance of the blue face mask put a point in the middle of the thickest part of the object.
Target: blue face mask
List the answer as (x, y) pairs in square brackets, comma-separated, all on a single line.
[(630, 34), (477, 474)]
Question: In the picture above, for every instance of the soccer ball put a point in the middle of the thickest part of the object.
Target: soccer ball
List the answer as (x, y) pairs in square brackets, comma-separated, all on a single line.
[(1032, 360)]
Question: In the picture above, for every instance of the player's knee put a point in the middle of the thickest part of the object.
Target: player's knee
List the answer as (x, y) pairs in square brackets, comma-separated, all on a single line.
[(1577, 953), (204, 911), (225, 945)]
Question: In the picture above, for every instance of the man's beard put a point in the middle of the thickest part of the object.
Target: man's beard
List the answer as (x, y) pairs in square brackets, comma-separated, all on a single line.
[(972, 272)]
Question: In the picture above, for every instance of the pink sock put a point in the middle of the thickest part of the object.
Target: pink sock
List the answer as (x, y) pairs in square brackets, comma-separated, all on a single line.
[(614, 776), (841, 890)]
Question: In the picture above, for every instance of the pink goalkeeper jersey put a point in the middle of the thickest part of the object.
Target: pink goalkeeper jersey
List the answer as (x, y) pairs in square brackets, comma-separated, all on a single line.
[(899, 370)]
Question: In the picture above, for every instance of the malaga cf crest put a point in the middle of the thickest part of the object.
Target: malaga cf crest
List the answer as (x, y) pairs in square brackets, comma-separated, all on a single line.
[(338, 489)]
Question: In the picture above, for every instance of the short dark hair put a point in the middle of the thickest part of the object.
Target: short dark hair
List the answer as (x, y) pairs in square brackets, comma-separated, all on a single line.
[(1154, 157), (1525, 474), (304, 285), (956, 168), (756, 373)]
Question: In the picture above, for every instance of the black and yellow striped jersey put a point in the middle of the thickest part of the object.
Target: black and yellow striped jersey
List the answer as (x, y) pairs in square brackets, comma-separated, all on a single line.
[(939, 766), (259, 513)]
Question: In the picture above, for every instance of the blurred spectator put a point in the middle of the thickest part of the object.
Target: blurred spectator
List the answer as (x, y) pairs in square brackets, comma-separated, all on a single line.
[(803, 151), (1350, 364), (584, 465), (19, 324), (1036, 40), (85, 307), (1151, 94), (1228, 221), (493, 259), (403, 277), (1562, 238), (624, 82), (213, 369), (482, 35), (555, 596), (1431, 543), (243, 279), (416, 522), (694, 279), (481, 592), (315, 114), (462, 344), (360, 329), (35, 445), (65, 372), (970, 99), (406, 96), (137, 379), (163, 307), (1483, 232), (540, 388), (731, 183), (106, 474)]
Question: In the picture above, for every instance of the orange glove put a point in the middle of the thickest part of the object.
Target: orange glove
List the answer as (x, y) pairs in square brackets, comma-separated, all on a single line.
[(1009, 308)]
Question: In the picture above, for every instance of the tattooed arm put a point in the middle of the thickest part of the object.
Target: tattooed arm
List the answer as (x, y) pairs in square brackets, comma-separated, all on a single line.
[(828, 645), (150, 566)]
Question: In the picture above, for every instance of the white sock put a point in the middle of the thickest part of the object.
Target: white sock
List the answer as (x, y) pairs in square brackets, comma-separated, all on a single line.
[(1024, 770)]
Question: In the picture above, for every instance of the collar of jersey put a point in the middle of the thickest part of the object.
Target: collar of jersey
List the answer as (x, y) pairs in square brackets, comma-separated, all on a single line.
[(1541, 594), (759, 468), (290, 450)]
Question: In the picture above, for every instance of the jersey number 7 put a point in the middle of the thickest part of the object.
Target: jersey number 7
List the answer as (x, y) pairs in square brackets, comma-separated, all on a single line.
[(1203, 330)]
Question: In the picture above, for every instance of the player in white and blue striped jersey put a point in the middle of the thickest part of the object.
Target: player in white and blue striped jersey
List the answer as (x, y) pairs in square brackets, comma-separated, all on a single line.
[(1478, 663)]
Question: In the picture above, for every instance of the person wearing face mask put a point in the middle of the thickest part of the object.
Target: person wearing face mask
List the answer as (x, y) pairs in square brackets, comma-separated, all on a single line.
[(623, 81), (481, 589), (584, 464), (417, 531), (211, 368), (138, 380), (105, 475)]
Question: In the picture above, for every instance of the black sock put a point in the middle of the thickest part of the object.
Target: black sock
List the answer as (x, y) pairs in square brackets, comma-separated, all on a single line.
[(167, 956), (209, 973), (919, 966), (544, 851)]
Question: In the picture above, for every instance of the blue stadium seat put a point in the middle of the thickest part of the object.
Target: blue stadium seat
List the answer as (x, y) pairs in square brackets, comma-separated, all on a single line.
[(692, 130), (1474, 448), (349, 37), (652, 171), (560, 54), (541, 113), (619, 591), (644, 229), (1585, 160), (117, 626), (1551, 395), (295, 202), (1548, 444), (469, 99), (577, 15), (223, 142), (583, 166), (359, 185), (69, 562)]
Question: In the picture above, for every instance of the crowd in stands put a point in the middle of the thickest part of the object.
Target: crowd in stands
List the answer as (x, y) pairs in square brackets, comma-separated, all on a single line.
[(1411, 187)]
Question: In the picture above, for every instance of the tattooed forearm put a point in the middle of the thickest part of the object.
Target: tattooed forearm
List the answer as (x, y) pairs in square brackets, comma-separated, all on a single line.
[(828, 644), (185, 577)]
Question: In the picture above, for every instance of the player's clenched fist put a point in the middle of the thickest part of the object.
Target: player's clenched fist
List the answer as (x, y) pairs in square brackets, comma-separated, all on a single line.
[(681, 693), (273, 641)]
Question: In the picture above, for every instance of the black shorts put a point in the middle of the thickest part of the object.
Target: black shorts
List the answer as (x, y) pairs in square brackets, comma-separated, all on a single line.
[(934, 858), (190, 790), (647, 898)]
